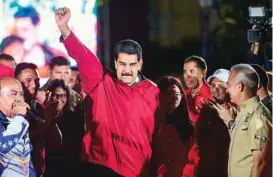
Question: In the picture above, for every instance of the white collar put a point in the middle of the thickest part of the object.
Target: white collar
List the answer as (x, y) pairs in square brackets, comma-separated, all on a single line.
[(136, 81)]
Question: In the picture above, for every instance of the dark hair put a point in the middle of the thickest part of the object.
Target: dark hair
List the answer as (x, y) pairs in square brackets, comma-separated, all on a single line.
[(22, 66), (74, 68), (200, 62), (9, 40), (167, 81), (128, 46), (58, 61), (59, 83), (262, 75), (179, 118), (6, 57), (30, 12)]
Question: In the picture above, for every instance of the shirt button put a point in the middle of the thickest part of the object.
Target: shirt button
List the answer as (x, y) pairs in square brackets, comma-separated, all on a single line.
[(169, 161)]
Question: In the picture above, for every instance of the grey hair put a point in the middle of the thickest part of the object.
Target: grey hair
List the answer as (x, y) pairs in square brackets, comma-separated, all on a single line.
[(4, 79), (245, 74)]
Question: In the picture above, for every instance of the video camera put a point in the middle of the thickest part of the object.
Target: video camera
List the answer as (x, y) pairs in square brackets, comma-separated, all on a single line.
[(261, 17)]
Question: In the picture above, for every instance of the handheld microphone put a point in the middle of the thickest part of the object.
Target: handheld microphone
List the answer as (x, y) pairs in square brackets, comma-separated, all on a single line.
[(31, 115)]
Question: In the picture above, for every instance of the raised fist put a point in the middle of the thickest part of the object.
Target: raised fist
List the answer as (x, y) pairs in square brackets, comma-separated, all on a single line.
[(62, 16)]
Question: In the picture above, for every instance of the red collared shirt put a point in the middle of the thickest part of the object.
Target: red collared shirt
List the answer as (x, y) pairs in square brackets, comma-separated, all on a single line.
[(194, 103)]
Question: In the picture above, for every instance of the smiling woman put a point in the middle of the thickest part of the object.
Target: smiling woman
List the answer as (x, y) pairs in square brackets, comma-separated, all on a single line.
[(170, 148), (69, 129)]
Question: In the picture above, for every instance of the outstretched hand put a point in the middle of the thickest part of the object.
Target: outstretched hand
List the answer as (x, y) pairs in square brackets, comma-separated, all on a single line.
[(62, 16)]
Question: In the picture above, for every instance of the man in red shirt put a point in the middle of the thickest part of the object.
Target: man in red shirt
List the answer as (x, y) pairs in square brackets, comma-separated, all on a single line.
[(195, 70), (120, 129)]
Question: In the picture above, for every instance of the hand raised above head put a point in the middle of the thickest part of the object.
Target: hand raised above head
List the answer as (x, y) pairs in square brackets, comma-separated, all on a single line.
[(62, 16)]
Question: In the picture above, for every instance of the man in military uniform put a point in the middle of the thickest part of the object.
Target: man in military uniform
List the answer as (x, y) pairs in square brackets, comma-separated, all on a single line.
[(249, 152), (263, 91)]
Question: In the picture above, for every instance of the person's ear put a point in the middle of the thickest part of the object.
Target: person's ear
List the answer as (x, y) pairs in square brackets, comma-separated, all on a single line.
[(241, 86), (140, 64)]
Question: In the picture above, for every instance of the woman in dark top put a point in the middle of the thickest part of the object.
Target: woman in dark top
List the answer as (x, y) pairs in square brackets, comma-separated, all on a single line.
[(172, 143), (63, 147)]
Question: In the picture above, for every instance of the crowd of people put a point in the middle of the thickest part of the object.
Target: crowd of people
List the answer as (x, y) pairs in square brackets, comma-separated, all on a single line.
[(89, 121)]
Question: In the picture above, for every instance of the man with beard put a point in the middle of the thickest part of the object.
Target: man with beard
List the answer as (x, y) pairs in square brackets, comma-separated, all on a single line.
[(27, 74), (211, 132), (195, 70), (218, 85)]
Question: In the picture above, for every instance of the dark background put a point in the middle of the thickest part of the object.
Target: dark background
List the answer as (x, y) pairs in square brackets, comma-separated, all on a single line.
[(188, 29)]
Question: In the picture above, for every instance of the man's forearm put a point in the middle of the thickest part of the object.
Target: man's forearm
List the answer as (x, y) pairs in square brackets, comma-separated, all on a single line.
[(65, 31)]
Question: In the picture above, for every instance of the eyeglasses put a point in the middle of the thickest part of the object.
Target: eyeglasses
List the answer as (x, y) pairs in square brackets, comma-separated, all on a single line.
[(57, 96)]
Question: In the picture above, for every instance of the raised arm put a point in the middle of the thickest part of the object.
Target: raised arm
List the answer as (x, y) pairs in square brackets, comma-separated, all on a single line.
[(90, 67)]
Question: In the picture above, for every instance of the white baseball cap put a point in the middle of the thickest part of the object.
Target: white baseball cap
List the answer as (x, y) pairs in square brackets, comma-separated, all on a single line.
[(221, 74)]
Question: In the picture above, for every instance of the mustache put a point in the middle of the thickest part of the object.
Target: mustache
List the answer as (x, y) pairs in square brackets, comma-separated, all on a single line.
[(127, 74)]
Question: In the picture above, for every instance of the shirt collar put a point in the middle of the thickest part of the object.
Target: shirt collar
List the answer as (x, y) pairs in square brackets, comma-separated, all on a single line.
[(251, 102), (136, 81), (205, 90)]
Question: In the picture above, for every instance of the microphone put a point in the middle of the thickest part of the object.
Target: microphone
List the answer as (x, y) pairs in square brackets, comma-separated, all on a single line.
[(29, 114)]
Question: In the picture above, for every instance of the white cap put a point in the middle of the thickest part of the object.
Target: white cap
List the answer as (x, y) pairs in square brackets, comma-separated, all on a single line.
[(221, 74)]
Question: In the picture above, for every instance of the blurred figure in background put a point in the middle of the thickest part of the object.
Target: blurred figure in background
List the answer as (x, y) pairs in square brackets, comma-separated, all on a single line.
[(7, 65), (170, 148), (7, 60), (14, 46), (263, 91), (75, 82), (26, 26)]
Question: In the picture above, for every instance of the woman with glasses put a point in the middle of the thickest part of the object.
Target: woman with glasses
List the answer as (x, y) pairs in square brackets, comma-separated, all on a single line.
[(171, 145), (63, 148)]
